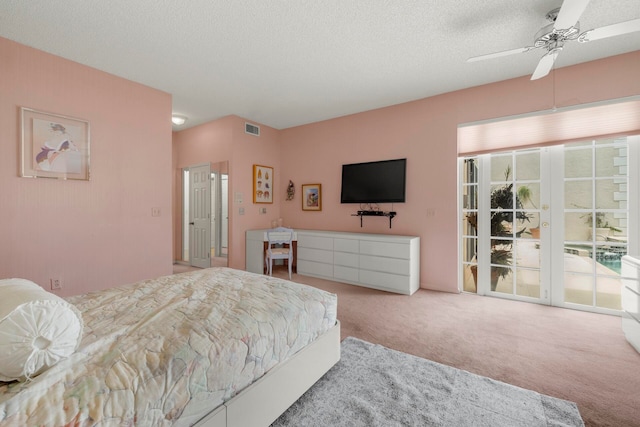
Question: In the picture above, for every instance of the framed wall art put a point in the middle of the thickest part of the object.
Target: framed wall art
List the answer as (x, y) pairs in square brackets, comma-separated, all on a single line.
[(262, 184), (311, 197), (53, 146)]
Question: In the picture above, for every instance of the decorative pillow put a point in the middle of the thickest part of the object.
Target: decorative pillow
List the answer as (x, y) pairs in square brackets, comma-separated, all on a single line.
[(37, 329)]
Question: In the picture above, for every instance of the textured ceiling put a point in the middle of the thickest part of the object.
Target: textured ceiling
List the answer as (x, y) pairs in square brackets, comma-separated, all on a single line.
[(284, 63)]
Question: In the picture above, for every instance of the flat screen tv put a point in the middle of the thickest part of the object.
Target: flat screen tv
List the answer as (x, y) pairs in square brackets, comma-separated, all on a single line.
[(374, 182)]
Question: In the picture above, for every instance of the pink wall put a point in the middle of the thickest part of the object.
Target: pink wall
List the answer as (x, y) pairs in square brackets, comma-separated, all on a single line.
[(423, 131), (90, 234), (221, 140)]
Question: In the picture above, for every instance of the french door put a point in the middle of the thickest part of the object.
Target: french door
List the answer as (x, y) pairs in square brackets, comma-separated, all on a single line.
[(549, 225)]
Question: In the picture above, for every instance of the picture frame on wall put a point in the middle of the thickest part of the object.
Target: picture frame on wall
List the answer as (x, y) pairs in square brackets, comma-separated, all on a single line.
[(262, 184), (311, 197), (53, 146)]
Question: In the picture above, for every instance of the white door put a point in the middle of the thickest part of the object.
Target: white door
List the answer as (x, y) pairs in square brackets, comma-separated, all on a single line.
[(200, 215), (506, 199), (550, 225), (224, 235)]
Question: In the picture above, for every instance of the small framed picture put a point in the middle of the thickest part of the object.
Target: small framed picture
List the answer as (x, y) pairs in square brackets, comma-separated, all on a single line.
[(53, 146), (311, 197), (262, 184)]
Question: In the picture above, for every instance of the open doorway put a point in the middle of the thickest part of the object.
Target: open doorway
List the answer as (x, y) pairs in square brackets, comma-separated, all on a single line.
[(205, 219)]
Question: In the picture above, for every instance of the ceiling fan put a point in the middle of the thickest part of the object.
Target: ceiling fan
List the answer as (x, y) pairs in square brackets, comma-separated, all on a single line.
[(564, 27)]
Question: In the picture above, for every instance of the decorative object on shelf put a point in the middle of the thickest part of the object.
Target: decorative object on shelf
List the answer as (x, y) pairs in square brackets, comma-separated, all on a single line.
[(262, 184), (53, 146), (291, 190), (311, 197)]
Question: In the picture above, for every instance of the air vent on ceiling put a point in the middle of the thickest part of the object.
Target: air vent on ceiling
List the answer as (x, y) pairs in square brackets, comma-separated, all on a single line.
[(252, 129)]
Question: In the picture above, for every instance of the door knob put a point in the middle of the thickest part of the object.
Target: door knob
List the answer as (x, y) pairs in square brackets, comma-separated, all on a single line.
[(545, 224), (192, 223)]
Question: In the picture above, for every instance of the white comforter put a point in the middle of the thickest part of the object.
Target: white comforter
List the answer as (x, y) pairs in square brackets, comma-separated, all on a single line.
[(167, 351)]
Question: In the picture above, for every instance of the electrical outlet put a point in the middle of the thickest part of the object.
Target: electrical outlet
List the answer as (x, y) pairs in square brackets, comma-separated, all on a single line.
[(155, 211), (56, 284), (262, 210)]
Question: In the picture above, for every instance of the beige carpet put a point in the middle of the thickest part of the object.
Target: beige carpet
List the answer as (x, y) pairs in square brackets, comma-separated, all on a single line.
[(572, 355)]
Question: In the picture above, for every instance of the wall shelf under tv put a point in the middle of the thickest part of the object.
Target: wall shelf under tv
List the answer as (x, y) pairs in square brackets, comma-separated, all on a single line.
[(389, 214)]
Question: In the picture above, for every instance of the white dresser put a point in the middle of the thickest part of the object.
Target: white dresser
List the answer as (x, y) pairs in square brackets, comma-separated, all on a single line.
[(386, 262), (380, 261), (631, 300)]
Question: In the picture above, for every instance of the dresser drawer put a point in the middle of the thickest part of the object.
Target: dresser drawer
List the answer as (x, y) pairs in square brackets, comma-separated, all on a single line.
[(345, 273), (346, 245), (316, 242), (386, 281), (386, 249), (389, 265), (313, 268), (317, 255), (346, 259)]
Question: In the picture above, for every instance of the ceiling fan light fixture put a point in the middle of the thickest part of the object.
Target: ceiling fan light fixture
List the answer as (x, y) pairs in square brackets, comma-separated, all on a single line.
[(564, 27), (178, 120)]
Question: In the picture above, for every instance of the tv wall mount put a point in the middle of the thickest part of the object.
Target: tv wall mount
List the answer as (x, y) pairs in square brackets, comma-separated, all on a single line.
[(389, 214)]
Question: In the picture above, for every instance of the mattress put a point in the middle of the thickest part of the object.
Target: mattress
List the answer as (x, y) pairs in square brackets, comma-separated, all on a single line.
[(168, 351)]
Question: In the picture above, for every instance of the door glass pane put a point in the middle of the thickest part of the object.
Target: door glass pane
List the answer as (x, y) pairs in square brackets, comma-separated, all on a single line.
[(608, 292), (531, 227), (578, 288), (529, 194), (502, 280), (576, 227), (501, 166), (606, 160), (469, 246), (528, 166), (502, 196), (578, 163), (610, 193), (528, 283), (578, 190)]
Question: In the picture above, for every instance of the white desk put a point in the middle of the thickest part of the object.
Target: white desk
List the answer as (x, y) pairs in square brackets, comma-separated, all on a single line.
[(256, 245)]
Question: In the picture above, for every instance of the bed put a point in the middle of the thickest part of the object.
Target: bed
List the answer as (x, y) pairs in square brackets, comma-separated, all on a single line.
[(213, 347)]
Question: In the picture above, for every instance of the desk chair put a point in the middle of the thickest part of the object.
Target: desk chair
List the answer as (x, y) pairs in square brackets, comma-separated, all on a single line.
[(279, 247)]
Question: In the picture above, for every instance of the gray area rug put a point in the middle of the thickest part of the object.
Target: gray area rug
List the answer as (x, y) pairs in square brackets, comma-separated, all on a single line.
[(372, 385)]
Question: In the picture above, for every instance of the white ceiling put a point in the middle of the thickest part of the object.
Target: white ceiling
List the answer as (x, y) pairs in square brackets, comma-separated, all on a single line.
[(284, 63)]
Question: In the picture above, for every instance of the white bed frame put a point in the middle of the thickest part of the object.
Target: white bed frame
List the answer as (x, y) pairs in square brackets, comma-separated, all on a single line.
[(264, 401)]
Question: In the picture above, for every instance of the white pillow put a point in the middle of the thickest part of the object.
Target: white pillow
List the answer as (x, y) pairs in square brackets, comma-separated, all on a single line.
[(37, 329)]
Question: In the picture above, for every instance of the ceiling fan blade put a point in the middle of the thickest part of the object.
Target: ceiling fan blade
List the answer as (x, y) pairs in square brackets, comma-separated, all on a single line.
[(499, 54), (610, 31), (545, 64), (569, 14)]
